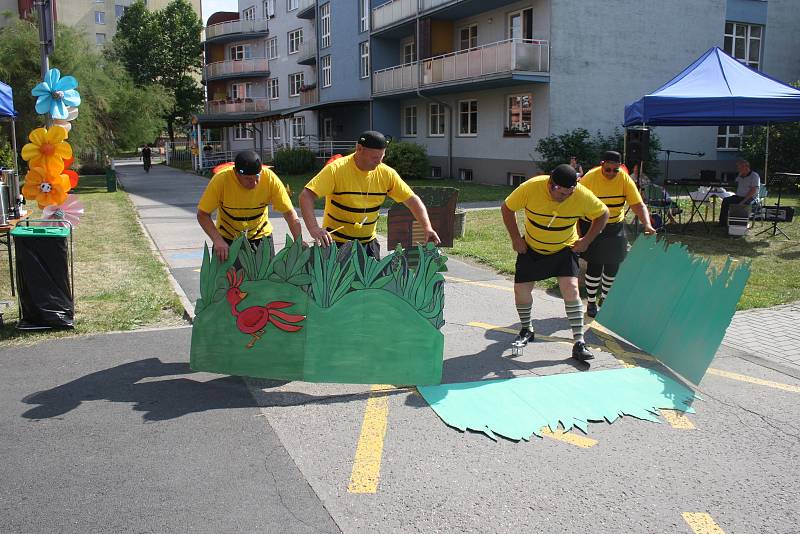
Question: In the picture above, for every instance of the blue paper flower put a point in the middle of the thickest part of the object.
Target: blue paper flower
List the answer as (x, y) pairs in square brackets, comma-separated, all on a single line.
[(55, 94)]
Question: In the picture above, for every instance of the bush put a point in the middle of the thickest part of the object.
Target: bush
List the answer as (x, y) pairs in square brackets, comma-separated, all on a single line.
[(295, 160), (408, 159), (6, 154)]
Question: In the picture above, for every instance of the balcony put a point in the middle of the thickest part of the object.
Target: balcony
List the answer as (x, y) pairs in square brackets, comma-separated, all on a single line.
[(489, 62), (391, 12), (244, 68), (309, 95), (235, 30), (307, 55), (307, 9), (239, 105)]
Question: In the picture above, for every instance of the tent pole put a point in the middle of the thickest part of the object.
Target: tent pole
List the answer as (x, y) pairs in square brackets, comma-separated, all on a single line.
[(766, 158), (14, 145)]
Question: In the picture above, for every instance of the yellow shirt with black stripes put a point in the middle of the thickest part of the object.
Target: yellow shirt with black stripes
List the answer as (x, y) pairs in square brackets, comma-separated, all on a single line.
[(239, 208), (614, 193), (550, 225), (354, 196)]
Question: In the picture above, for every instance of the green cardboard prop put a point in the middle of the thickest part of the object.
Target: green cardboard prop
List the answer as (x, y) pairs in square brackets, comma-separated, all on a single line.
[(518, 408), (321, 314), (689, 304)]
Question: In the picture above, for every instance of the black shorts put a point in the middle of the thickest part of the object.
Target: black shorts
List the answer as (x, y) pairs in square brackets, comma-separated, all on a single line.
[(533, 266), (373, 248), (255, 243)]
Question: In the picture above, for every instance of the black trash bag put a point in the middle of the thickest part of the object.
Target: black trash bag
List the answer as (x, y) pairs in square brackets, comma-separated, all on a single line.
[(43, 283)]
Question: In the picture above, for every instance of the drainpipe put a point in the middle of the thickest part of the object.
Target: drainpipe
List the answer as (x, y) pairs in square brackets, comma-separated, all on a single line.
[(447, 106)]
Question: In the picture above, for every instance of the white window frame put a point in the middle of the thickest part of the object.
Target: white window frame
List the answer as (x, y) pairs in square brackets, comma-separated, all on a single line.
[(240, 52), (410, 121), (325, 67), (472, 125), (100, 38), (275, 130), (327, 128), (363, 16), (100, 17), (243, 131), (325, 25), (439, 115), (466, 175), (273, 88), (269, 9), (749, 41), (472, 37), (509, 125), (363, 52), (521, 14), (298, 124), (272, 48), (523, 178), (291, 5), (295, 83), (249, 13), (241, 90), (729, 138), (295, 40), (409, 52), (119, 11)]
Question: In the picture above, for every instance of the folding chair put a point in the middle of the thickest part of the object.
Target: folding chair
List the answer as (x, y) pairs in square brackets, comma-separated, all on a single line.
[(739, 222)]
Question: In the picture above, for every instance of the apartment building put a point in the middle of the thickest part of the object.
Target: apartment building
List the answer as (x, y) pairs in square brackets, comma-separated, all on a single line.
[(480, 83)]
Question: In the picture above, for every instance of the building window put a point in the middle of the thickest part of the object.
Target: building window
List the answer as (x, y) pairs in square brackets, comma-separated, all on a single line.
[(291, 5), (326, 71), (298, 127), (518, 119), (743, 41), (240, 52), (275, 130), (272, 48), (119, 11), (468, 117), (410, 121), (435, 120), (249, 13), (243, 131), (327, 128), (730, 137), (99, 17), (272, 89), (363, 15), (295, 83), (295, 40), (465, 175), (241, 90), (269, 9), (100, 38), (325, 25), (436, 172), (363, 52), (468, 37), (409, 52), (516, 178), (520, 25)]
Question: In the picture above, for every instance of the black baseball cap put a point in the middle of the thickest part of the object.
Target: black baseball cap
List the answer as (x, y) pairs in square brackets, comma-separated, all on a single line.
[(611, 155), (564, 175), (247, 163), (372, 139)]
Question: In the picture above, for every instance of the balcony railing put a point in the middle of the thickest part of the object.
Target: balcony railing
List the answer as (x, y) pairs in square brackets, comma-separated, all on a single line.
[(430, 4), (308, 51), (235, 26), (231, 67), (399, 78), (240, 105), (309, 96), (393, 11), (306, 8), (496, 58)]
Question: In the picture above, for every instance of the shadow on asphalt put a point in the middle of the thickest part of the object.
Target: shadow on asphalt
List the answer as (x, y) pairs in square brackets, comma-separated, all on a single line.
[(160, 399)]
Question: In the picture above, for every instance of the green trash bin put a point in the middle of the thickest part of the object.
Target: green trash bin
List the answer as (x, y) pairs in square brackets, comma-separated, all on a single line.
[(111, 180)]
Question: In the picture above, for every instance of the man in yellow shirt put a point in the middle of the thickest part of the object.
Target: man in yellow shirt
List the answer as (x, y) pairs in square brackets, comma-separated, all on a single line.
[(552, 204), (241, 196), (354, 188), (614, 188)]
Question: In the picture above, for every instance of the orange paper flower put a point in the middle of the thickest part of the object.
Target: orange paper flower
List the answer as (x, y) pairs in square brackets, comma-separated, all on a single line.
[(47, 189), (47, 149)]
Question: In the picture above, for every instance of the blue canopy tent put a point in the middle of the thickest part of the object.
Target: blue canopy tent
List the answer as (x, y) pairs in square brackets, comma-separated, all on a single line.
[(717, 90), (7, 111)]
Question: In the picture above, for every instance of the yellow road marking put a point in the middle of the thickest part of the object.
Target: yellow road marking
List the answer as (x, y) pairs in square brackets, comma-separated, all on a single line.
[(677, 419), (701, 523), (478, 283), (367, 463), (752, 380), (568, 437), (197, 270)]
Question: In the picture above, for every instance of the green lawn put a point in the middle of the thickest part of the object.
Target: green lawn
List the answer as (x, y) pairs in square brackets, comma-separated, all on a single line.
[(119, 283)]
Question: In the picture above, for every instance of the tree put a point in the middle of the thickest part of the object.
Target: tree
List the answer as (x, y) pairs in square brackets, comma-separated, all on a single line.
[(136, 43)]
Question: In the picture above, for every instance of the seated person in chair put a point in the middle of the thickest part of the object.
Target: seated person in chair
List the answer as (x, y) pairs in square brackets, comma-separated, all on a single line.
[(747, 184)]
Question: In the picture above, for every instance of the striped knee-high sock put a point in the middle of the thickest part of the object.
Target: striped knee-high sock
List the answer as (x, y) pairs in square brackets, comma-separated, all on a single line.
[(592, 283), (524, 311), (575, 317), (607, 281)]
